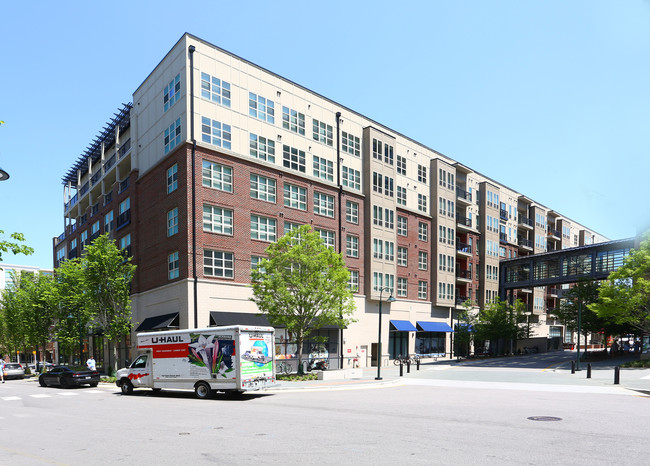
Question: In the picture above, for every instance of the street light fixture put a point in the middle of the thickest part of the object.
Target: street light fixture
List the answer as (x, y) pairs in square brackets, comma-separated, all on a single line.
[(3, 175), (389, 300)]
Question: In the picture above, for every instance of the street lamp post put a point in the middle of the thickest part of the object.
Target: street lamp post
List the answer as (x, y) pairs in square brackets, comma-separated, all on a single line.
[(389, 300), (579, 330)]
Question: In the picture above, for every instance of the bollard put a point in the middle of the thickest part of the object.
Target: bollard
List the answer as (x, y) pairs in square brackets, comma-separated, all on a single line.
[(401, 369), (589, 370), (573, 367), (417, 364), (408, 366), (617, 375)]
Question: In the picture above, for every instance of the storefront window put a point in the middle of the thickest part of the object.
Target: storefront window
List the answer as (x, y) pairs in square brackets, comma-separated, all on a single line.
[(398, 344), (430, 343)]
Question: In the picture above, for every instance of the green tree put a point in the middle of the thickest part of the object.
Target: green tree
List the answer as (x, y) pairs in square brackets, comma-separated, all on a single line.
[(624, 299), (499, 322), (463, 332), (14, 317), (303, 286), (14, 245)]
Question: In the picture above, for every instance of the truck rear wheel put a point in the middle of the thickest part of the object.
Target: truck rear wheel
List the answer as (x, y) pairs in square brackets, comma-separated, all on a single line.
[(202, 390), (126, 387)]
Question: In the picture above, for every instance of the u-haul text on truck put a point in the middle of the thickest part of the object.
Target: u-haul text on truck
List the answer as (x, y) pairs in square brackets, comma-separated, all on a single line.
[(237, 358)]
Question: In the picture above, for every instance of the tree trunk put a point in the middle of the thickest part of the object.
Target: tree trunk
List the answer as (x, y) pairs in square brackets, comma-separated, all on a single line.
[(299, 342)]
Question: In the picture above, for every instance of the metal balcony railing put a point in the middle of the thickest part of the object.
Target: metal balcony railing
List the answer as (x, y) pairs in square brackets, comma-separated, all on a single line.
[(464, 221), (462, 247), (461, 193), (526, 221)]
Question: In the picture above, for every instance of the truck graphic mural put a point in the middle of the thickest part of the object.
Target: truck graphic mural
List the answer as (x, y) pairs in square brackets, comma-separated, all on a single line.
[(214, 352)]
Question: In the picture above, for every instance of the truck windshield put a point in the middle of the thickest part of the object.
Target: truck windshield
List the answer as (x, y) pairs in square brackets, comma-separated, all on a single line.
[(140, 363)]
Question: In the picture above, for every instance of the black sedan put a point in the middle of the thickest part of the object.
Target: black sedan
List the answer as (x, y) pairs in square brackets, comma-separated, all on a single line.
[(65, 376)]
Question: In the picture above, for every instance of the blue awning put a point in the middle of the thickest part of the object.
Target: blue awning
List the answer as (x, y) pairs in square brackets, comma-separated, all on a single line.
[(434, 326), (403, 326)]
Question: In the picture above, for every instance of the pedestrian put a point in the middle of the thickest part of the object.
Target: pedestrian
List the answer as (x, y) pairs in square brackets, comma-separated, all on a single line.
[(2, 369), (614, 349), (626, 346), (637, 347), (91, 363)]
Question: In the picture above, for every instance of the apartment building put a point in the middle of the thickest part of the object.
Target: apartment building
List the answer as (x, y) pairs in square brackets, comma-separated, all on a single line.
[(217, 157)]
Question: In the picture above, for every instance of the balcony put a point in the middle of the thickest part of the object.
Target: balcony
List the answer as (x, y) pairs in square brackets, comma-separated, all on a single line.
[(95, 178), (552, 292), (124, 185), (503, 237), (72, 202), (460, 300), (526, 223), (83, 219), (553, 234), (464, 223), (94, 236), (109, 163), (464, 276), (503, 214), (126, 147), (108, 198), (84, 189), (123, 219), (525, 244), (94, 210), (463, 196), (72, 253), (463, 249)]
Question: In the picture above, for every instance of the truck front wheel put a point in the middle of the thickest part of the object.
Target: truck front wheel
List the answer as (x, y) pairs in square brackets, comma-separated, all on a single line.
[(126, 387), (202, 390)]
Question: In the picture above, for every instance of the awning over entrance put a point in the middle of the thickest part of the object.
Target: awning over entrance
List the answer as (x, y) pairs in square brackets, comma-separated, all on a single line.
[(222, 318), (434, 326), (162, 322), (403, 326)]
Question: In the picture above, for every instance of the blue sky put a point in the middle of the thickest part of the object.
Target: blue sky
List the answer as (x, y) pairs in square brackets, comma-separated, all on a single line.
[(549, 98)]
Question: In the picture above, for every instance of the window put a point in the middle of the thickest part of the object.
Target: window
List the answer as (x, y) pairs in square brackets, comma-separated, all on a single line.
[(172, 92), (351, 178), (217, 176), (290, 226), (323, 168), (255, 261), (442, 234), (401, 196), (378, 216), (352, 246), (172, 178), (261, 108), (262, 188), (388, 186), (422, 203), (216, 133), (389, 251), (323, 204), (350, 144), (293, 120), (263, 228), (328, 237), (262, 148), (218, 264), (215, 90), (322, 132), (422, 289), (173, 136), (295, 196), (172, 265), (401, 165), (423, 260), (353, 284), (108, 222), (377, 280), (124, 213), (377, 248), (94, 233), (402, 225), (293, 158), (172, 222), (377, 182), (402, 286), (217, 220), (389, 218), (402, 256), (352, 212), (423, 231), (125, 241), (60, 253), (422, 174)]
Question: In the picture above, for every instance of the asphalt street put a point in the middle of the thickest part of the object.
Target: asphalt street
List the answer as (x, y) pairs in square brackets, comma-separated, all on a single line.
[(526, 410)]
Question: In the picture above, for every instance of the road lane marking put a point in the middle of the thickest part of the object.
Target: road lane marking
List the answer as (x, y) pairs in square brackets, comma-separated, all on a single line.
[(41, 396), (11, 398)]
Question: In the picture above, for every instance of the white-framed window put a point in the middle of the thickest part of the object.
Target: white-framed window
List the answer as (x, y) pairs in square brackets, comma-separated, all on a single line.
[(378, 216), (350, 144), (377, 248), (351, 178), (217, 219), (255, 261), (293, 158), (293, 120), (323, 168), (216, 133), (263, 228), (60, 253), (172, 178), (422, 289), (423, 231), (218, 264), (388, 186), (401, 165), (173, 265), (389, 218), (377, 182), (352, 245), (389, 251), (423, 260), (125, 241), (215, 90), (262, 148), (422, 202), (322, 132), (389, 280), (323, 204), (402, 225), (422, 174), (94, 229), (353, 283), (263, 188), (172, 92), (328, 237), (172, 136), (172, 222), (261, 108), (402, 287), (352, 212), (401, 195), (217, 176), (295, 196), (377, 280), (402, 256), (290, 226)]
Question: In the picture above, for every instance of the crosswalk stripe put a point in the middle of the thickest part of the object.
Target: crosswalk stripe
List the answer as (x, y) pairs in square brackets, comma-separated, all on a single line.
[(40, 396), (11, 398)]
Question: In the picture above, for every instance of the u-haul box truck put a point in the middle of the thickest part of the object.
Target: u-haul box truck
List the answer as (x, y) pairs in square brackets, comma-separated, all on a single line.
[(237, 358)]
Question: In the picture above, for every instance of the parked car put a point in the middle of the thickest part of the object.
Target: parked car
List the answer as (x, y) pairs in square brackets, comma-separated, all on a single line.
[(14, 370), (66, 376), (48, 366)]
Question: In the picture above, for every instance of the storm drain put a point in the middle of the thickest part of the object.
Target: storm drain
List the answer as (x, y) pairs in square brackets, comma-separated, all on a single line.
[(544, 418)]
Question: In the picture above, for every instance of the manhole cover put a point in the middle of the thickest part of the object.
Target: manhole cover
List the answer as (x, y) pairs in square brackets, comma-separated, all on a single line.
[(544, 418)]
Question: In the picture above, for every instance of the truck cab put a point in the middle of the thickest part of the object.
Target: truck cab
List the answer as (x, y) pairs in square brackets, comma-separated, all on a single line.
[(137, 375)]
